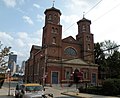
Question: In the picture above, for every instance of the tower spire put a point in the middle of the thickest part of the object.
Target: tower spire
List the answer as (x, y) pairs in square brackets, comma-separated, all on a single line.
[(53, 3), (83, 14)]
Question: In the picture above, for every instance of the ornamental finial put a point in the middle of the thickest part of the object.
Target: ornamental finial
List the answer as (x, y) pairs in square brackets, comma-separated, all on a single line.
[(53, 3), (83, 14)]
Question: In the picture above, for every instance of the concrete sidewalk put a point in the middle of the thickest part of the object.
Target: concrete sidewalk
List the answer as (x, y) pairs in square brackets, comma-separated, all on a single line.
[(83, 95), (71, 91), (4, 91)]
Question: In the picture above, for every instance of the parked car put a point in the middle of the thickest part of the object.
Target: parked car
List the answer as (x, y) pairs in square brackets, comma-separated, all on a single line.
[(30, 90)]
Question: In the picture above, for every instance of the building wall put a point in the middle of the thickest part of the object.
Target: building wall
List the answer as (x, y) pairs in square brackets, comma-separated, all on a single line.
[(47, 65), (76, 46)]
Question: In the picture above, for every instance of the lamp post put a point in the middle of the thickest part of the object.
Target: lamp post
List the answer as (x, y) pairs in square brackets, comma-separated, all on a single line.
[(45, 65), (9, 73), (9, 76), (43, 76)]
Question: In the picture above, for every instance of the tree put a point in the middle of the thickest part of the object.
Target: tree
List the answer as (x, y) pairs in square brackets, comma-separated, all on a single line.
[(3, 54), (100, 60), (114, 64), (99, 54), (107, 57), (109, 47)]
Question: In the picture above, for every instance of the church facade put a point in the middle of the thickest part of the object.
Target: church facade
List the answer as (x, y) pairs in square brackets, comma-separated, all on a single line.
[(56, 60)]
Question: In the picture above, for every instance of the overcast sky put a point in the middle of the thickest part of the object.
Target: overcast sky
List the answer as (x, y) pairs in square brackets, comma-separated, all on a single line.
[(22, 21)]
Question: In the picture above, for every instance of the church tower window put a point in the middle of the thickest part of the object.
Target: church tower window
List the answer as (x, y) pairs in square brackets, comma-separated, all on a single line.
[(50, 17), (55, 16), (83, 28), (56, 30), (54, 40), (53, 30), (88, 46)]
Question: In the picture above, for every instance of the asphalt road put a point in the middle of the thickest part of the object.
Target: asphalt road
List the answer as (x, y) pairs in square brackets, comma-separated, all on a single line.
[(56, 91)]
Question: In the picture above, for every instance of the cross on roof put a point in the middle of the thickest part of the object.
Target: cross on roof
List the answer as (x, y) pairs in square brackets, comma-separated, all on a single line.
[(83, 14), (53, 2)]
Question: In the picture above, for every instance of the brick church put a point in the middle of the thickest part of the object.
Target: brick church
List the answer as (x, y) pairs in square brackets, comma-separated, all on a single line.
[(55, 61)]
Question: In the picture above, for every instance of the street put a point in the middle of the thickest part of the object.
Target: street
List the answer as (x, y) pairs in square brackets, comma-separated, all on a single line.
[(56, 91)]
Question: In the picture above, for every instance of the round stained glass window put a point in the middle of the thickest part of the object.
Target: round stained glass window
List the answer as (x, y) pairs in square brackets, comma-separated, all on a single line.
[(70, 51)]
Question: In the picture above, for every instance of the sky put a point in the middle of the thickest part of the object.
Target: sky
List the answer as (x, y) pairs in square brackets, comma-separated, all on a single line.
[(22, 21)]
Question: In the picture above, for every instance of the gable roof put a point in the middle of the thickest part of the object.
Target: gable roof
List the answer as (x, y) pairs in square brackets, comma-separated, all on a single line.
[(35, 47), (78, 62), (75, 61), (69, 39)]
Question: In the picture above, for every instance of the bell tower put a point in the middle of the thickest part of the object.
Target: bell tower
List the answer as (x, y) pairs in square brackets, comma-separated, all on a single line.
[(52, 32), (86, 40)]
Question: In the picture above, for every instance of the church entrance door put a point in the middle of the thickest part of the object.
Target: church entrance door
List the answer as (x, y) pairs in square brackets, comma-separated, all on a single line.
[(54, 77)]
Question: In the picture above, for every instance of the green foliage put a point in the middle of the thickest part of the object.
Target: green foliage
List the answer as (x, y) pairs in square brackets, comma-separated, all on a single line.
[(107, 57), (100, 60), (98, 52), (111, 87), (109, 47), (4, 52), (114, 65)]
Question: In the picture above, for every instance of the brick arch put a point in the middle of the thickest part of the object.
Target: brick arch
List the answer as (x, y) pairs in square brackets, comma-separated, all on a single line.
[(70, 51)]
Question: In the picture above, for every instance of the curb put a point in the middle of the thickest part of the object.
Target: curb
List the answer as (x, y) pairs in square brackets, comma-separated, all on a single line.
[(73, 94)]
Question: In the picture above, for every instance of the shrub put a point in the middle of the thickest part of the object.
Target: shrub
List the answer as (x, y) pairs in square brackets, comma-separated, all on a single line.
[(111, 87), (91, 90)]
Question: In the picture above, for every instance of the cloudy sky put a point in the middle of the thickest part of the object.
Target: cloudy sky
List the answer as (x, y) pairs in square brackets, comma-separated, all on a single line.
[(21, 21)]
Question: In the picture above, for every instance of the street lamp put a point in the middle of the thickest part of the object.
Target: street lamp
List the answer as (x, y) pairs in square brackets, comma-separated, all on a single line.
[(43, 75), (45, 65), (9, 76)]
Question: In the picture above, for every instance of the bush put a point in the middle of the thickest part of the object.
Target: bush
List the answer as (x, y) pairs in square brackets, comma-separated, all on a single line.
[(91, 90), (111, 87)]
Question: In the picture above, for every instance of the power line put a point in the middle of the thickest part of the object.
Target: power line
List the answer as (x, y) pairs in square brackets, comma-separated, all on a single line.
[(93, 7), (111, 48), (69, 27), (92, 53), (98, 17), (107, 12), (85, 14)]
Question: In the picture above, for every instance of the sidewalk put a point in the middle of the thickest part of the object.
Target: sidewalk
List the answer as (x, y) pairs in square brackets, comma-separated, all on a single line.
[(4, 91), (71, 91), (57, 91), (83, 95)]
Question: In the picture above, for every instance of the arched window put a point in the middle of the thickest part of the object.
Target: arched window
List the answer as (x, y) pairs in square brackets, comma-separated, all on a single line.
[(56, 30), (70, 51), (49, 17), (55, 16), (88, 47), (53, 30), (83, 28), (54, 40)]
